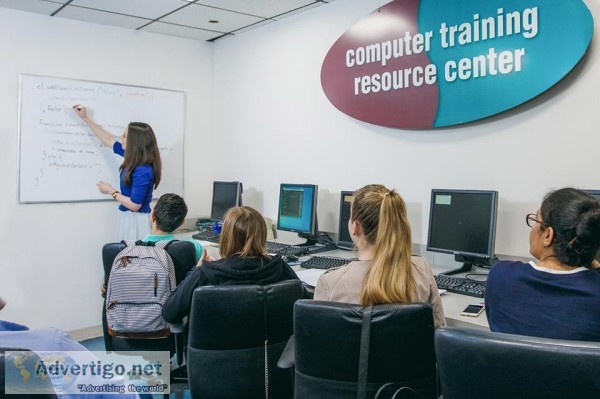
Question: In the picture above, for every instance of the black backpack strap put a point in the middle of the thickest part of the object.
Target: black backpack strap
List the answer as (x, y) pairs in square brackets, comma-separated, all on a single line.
[(169, 244), (363, 360)]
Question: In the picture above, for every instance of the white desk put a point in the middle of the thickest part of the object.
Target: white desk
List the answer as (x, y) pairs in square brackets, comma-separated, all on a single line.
[(453, 303)]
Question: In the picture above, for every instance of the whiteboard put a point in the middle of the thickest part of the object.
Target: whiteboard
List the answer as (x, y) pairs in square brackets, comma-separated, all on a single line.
[(60, 159)]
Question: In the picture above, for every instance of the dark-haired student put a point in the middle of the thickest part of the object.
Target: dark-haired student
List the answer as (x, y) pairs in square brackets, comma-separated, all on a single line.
[(140, 174), (559, 296), (167, 216), (386, 271), (244, 260)]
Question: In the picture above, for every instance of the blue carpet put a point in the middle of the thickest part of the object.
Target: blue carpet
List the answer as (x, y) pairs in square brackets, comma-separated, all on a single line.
[(178, 391)]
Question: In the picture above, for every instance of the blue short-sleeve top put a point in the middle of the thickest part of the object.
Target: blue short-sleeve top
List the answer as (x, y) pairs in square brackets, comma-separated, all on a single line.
[(142, 183)]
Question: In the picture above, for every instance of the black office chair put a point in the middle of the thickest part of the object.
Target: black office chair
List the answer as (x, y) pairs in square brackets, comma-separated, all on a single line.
[(184, 258), (398, 349), (482, 364), (28, 366), (236, 335)]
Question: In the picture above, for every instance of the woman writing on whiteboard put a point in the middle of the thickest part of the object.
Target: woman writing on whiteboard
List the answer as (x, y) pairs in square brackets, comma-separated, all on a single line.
[(140, 174)]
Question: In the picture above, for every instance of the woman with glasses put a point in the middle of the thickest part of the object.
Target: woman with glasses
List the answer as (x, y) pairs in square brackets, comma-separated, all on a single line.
[(559, 295)]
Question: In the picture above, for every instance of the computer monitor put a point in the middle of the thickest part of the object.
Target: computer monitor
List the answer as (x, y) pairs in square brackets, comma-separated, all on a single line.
[(344, 238), (463, 223), (226, 194), (594, 193), (298, 213), (298, 208)]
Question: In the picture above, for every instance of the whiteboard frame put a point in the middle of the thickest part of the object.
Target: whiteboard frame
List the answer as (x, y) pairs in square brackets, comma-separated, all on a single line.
[(100, 82)]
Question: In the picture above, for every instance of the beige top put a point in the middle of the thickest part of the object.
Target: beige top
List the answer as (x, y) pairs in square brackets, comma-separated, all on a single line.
[(343, 284)]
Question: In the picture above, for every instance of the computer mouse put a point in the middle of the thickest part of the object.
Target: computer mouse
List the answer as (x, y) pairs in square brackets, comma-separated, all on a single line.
[(290, 258)]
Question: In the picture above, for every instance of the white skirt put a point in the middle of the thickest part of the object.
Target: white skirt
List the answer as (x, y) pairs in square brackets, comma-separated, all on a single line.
[(132, 226)]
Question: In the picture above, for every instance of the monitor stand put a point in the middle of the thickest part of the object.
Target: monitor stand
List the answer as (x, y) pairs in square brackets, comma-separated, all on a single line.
[(469, 262), (317, 243)]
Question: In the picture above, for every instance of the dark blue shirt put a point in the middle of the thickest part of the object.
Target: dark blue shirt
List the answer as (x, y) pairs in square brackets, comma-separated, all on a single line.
[(520, 299), (142, 183)]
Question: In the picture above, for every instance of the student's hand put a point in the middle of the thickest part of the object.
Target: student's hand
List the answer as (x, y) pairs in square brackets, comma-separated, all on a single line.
[(105, 188), (80, 110), (205, 257)]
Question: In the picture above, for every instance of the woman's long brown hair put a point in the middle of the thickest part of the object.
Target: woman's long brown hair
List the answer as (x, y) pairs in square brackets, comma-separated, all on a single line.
[(142, 149), (381, 213), (244, 233)]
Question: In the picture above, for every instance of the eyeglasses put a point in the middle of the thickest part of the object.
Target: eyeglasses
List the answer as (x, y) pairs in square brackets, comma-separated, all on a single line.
[(530, 219)]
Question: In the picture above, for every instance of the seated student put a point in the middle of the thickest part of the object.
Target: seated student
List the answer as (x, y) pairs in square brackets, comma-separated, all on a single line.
[(168, 214), (559, 297), (385, 271), (15, 336), (244, 260)]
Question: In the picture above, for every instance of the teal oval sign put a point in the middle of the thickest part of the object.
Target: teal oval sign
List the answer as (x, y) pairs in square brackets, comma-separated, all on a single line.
[(421, 64)]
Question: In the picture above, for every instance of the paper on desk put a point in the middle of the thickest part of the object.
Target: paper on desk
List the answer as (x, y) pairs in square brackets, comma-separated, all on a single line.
[(310, 276)]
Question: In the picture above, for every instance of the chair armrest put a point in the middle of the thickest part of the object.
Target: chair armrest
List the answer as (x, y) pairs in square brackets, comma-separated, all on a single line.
[(287, 359), (179, 326)]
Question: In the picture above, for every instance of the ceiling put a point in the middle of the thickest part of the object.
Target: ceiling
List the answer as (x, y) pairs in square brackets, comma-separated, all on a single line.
[(207, 20)]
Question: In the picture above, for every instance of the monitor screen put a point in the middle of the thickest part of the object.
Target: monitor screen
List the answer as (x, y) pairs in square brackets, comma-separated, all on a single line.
[(594, 193), (298, 208), (344, 239), (463, 222), (226, 194)]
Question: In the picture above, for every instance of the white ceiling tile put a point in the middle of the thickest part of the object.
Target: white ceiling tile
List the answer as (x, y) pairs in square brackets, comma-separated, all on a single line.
[(101, 17), (250, 27), (39, 6), (139, 8), (198, 16), (181, 31), (264, 8), (313, 5)]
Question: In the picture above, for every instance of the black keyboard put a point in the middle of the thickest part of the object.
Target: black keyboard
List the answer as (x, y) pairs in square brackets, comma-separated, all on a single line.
[(294, 250), (324, 262), (460, 285), (286, 249), (207, 235), (275, 247)]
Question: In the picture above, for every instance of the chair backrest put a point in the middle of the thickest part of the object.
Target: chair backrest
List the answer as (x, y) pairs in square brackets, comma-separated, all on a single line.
[(183, 254), (232, 328), (327, 338), (23, 367), (483, 364)]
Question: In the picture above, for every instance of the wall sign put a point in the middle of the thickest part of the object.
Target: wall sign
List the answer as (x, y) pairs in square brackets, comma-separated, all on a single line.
[(420, 64)]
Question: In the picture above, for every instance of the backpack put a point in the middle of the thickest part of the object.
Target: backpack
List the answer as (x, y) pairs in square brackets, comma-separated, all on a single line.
[(140, 281)]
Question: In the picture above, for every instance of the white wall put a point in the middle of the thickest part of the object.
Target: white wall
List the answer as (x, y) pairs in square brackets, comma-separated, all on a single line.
[(277, 126), (256, 112), (50, 256)]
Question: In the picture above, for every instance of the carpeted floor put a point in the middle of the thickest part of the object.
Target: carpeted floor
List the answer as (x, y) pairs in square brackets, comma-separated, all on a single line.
[(178, 391)]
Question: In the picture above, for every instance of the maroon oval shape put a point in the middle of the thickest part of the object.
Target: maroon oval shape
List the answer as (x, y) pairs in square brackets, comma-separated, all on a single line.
[(410, 107)]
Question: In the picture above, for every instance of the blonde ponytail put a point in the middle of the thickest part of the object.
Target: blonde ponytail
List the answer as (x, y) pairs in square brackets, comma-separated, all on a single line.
[(383, 218)]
